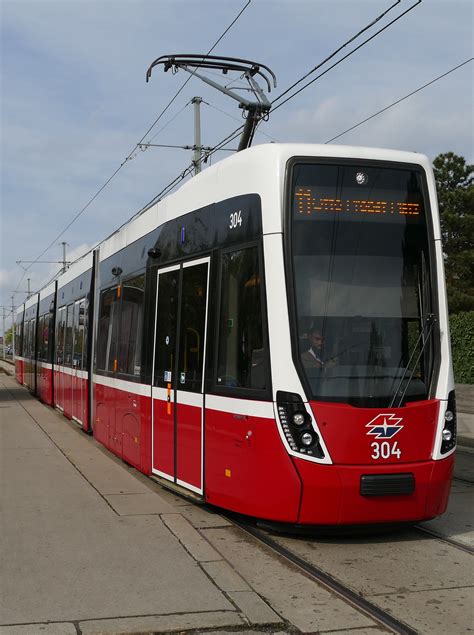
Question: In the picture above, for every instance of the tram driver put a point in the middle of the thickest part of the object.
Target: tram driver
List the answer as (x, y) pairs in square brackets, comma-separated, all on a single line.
[(313, 357)]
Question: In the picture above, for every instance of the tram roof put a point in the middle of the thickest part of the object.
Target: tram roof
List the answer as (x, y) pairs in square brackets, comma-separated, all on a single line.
[(260, 170)]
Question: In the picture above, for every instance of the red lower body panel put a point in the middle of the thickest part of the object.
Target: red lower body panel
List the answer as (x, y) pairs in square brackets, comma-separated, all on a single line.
[(67, 394), (122, 422), (44, 383), (19, 368), (188, 445), (248, 469), (331, 493), (163, 437), (71, 394), (29, 373)]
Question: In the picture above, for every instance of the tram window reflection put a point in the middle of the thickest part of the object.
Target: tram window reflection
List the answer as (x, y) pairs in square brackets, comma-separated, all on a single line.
[(131, 324), (108, 328), (39, 342), (60, 334), (68, 339), (241, 360)]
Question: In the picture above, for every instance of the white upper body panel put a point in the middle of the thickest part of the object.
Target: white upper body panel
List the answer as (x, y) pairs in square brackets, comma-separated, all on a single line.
[(76, 269), (32, 301), (48, 290), (258, 170)]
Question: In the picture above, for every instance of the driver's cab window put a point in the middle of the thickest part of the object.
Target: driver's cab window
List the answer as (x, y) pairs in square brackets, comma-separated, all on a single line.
[(241, 355)]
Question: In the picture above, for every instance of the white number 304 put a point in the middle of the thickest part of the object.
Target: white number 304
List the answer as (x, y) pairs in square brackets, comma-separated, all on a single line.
[(235, 219), (385, 450)]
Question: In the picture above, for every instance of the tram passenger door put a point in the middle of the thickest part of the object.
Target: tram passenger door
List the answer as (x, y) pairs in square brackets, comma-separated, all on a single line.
[(78, 380), (178, 382), (59, 361)]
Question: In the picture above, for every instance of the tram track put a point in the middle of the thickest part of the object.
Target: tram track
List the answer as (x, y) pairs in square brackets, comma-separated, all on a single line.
[(442, 538), (326, 580), (439, 536), (465, 481)]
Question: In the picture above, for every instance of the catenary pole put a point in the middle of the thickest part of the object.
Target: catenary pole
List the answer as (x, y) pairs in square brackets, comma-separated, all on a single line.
[(13, 326), (64, 257), (197, 134), (4, 344)]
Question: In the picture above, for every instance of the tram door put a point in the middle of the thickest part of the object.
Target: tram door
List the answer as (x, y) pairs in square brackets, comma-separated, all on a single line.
[(79, 383), (59, 369), (178, 380)]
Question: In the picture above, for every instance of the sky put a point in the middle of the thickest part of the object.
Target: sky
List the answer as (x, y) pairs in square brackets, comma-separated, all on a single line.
[(74, 101)]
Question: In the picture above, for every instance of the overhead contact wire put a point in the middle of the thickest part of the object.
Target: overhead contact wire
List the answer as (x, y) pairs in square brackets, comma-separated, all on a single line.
[(398, 101), (374, 35), (129, 156), (354, 37)]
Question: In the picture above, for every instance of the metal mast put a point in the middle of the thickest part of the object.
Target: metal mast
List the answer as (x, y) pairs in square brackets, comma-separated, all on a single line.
[(197, 134), (13, 326)]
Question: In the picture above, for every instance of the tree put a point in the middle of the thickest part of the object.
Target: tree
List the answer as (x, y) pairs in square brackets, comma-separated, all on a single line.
[(454, 181), (8, 336)]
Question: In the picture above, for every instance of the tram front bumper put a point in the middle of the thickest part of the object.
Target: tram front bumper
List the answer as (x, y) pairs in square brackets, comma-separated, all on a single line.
[(332, 494)]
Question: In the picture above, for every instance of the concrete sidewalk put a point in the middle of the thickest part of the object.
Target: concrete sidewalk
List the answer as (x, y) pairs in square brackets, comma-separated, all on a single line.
[(85, 543)]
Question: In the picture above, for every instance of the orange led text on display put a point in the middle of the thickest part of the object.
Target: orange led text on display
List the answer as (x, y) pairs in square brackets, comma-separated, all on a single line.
[(308, 204)]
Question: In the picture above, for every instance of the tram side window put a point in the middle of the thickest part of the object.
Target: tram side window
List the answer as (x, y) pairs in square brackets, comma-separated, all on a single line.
[(78, 348), (131, 325), (19, 339), (48, 320), (26, 348), (39, 339), (108, 330), (43, 338), (60, 335), (68, 338), (241, 357), (30, 350)]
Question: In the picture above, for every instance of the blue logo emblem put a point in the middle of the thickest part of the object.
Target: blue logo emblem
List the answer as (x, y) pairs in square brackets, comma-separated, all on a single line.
[(384, 426)]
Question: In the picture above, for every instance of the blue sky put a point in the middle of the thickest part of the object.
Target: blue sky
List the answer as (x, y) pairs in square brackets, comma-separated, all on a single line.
[(75, 101)]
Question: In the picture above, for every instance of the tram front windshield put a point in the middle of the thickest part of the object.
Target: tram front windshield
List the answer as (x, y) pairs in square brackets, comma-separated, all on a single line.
[(361, 274)]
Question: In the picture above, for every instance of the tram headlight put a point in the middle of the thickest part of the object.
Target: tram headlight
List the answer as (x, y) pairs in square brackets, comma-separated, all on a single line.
[(307, 439), (447, 435), (299, 419), (296, 425)]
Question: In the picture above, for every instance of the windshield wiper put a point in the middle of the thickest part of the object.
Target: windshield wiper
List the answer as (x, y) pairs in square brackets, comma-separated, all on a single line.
[(428, 328)]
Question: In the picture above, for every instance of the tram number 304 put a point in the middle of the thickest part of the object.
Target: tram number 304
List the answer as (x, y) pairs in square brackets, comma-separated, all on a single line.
[(385, 450), (235, 219)]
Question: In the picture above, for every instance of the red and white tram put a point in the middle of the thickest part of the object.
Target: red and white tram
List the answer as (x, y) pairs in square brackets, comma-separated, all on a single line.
[(272, 338)]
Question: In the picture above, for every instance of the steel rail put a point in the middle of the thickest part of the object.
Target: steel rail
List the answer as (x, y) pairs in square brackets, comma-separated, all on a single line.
[(466, 481), (327, 581), (449, 541)]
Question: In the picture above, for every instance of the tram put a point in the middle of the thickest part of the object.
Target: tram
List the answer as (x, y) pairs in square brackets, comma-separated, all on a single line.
[(271, 339)]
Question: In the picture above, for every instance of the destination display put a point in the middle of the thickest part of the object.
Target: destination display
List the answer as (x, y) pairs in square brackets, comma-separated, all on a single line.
[(307, 203)]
